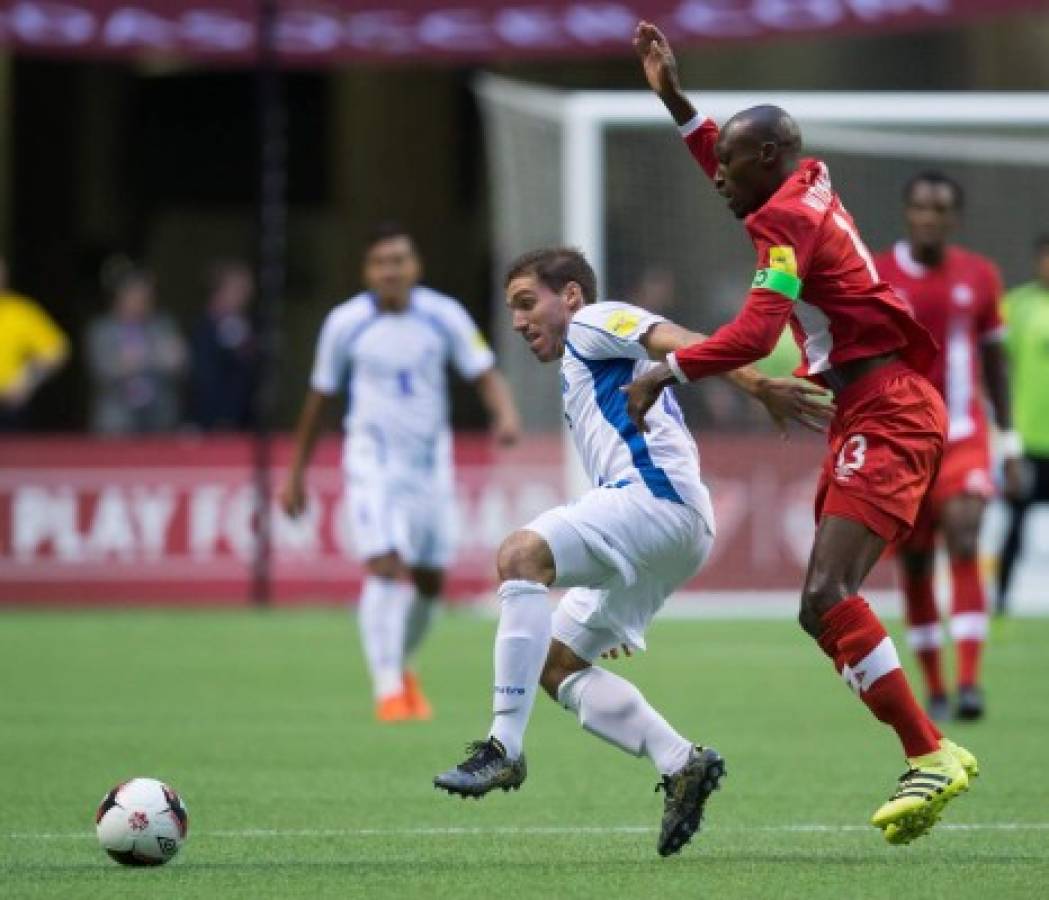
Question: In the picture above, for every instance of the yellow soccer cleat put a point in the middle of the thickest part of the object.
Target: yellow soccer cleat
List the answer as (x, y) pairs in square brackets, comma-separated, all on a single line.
[(924, 790), (967, 760)]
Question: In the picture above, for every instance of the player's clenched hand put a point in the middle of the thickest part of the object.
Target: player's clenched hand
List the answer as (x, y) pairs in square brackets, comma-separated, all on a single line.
[(657, 58), (293, 497), (506, 431), (789, 399), (642, 394)]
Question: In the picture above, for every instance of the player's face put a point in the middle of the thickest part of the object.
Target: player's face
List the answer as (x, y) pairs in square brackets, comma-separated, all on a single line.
[(741, 175), (391, 269), (541, 315), (931, 214)]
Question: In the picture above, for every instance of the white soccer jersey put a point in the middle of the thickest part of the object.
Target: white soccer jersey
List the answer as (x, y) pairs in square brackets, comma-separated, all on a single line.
[(393, 366), (604, 354)]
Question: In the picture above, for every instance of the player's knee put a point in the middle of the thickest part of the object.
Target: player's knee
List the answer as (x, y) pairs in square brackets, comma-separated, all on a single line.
[(817, 598), (963, 544), (428, 582), (525, 556), (386, 566), (916, 564)]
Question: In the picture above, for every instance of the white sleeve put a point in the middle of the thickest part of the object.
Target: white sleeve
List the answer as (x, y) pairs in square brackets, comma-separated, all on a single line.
[(611, 330), (471, 354), (330, 365)]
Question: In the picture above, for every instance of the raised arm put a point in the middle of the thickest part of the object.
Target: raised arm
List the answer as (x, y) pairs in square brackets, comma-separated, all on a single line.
[(660, 67)]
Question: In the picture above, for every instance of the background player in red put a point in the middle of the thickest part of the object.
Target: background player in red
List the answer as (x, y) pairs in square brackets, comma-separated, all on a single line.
[(859, 339), (955, 294)]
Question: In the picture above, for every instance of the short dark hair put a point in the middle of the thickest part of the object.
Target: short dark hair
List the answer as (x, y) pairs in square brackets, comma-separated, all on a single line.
[(385, 231), (935, 177), (555, 267)]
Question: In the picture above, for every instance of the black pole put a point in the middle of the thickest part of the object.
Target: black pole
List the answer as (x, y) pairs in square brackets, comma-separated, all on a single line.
[(272, 226)]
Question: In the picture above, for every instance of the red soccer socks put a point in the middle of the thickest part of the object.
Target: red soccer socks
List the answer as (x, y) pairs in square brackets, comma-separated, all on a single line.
[(865, 656)]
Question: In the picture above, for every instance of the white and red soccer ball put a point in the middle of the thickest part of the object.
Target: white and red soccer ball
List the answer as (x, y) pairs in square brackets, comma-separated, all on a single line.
[(142, 822)]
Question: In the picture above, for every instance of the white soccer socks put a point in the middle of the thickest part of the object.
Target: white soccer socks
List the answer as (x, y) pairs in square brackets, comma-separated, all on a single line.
[(521, 645), (382, 615), (613, 709), (418, 621)]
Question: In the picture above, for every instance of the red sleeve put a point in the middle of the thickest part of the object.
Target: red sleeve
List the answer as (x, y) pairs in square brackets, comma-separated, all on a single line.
[(701, 134), (751, 336), (989, 324), (791, 231)]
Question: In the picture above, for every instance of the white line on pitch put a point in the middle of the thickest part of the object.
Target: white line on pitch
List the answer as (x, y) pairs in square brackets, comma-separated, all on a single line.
[(525, 830)]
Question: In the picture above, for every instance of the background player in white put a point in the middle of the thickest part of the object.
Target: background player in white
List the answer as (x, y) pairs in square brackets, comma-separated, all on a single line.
[(389, 348), (644, 529)]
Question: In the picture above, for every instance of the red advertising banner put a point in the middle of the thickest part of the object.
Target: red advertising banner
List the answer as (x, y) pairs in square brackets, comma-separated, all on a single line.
[(314, 32), (173, 520)]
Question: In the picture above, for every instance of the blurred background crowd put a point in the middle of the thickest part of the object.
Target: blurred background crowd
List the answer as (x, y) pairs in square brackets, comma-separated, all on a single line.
[(146, 373)]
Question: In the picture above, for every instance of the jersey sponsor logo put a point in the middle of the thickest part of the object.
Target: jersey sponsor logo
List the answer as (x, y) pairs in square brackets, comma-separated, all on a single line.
[(851, 457), (783, 260), (622, 323)]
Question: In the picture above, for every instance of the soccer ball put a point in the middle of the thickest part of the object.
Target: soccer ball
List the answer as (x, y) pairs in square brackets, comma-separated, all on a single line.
[(142, 822)]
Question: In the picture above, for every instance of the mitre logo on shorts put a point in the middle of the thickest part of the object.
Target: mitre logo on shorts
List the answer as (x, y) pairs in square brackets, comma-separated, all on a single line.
[(508, 690), (622, 323), (851, 457)]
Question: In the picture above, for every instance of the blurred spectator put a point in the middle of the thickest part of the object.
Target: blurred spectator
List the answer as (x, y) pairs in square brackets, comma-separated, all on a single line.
[(32, 348), (135, 356), (1026, 310), (222, 347)]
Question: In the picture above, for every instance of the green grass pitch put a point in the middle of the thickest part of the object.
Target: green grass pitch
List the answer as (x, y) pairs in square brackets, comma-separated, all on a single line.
[(263, 722)]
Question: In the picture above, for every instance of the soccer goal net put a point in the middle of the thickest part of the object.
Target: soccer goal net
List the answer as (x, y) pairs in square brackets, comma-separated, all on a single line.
[(606, 171)]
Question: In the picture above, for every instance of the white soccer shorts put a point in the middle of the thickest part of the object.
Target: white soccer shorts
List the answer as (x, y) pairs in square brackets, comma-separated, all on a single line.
[(622, 552), (411, 516)]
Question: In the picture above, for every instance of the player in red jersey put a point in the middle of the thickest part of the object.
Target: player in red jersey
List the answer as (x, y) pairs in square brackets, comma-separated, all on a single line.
[(860, 340), (955, 294)]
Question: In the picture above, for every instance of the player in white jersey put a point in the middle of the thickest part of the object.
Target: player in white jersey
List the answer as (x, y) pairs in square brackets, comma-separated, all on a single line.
[(644, 529), (389, 348)]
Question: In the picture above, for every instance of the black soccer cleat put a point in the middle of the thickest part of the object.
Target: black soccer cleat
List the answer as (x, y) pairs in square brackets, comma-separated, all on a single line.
[(485, 769), (970, 705), (686, 794)]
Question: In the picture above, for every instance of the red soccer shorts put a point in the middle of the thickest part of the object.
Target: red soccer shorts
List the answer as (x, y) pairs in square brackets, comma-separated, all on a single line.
[(885, 445), (965, 471)]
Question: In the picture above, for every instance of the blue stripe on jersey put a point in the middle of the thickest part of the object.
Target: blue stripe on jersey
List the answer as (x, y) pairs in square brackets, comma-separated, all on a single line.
[(609, 376)]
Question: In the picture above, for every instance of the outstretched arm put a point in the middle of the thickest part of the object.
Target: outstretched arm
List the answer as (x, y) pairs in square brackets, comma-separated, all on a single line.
[(660, 67), (785, 399)]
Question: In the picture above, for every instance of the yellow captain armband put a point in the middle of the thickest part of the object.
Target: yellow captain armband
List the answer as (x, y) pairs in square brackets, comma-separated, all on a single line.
[(778, 281)]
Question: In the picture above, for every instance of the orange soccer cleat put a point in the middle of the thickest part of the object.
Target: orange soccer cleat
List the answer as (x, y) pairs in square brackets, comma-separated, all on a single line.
[(420, 706), (395, 708)]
